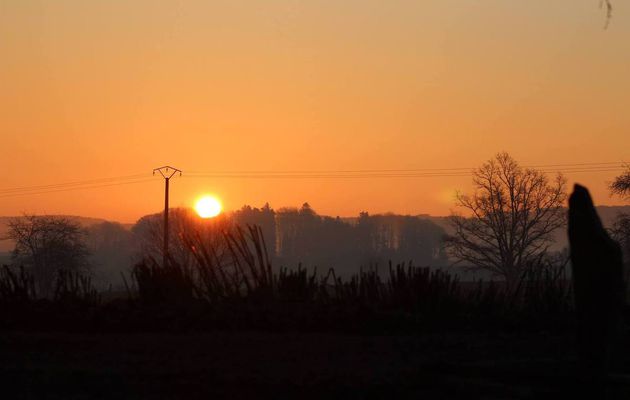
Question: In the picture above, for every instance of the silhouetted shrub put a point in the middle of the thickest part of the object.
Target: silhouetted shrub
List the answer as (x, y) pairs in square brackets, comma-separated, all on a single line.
[(236, 266), (298, 286), (157, 284), (422, 289), (16, 285), (73, 287)]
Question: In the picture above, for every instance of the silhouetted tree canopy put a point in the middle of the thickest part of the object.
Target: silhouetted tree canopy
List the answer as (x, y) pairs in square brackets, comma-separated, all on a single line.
[(46, 245), (621, 185), (621, 227), (300, 235), (512, 214), (346, 244), (264, 217)]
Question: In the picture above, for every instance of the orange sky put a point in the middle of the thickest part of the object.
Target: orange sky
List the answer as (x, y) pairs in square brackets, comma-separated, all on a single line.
[(100, 89)]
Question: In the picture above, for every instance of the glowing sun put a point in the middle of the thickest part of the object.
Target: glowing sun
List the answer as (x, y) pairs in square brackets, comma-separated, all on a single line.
[(208, 207)]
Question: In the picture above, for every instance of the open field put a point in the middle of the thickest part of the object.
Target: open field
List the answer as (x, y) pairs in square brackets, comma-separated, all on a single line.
[(275, 365)]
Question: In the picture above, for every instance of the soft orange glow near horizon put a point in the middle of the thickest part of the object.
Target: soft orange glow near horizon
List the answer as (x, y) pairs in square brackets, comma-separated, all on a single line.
[(93, 90)]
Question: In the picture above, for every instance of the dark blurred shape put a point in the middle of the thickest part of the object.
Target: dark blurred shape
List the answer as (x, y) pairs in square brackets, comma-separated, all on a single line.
[(598, 285)]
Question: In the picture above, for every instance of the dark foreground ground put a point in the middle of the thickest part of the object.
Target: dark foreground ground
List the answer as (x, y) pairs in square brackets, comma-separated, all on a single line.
[(282, 365)]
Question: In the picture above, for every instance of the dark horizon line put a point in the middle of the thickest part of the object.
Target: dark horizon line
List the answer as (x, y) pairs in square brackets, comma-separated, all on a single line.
[(386, 213)]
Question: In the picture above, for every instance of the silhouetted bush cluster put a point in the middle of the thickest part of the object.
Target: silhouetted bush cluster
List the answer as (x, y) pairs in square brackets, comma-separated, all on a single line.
[(230, 284), (16, 286), (72, 304)]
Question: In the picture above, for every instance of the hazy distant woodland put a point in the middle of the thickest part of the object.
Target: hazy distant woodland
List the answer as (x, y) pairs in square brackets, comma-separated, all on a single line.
[(293, 236)]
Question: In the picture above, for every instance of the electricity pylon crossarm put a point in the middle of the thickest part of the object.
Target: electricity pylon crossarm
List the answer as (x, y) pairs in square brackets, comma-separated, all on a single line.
[(167, 173)]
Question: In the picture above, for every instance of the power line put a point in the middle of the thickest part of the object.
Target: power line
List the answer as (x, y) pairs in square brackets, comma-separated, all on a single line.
[(270, 177), (575, 164), (262, 172), (335, 175), (73, 184), (27, 193), (568, 168), (383, 173)]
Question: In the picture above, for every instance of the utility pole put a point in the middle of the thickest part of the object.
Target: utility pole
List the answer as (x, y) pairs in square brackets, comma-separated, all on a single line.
[(167, 173)]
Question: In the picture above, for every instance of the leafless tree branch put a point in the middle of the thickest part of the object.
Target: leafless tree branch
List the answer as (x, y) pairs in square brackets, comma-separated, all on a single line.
[(512, 215)]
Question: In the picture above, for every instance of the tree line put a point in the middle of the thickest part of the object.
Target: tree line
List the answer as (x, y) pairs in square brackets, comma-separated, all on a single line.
[(504, 226)]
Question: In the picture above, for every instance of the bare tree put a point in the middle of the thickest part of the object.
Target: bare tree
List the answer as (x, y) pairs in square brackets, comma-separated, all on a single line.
[(621, 185), (511, 217), (46, 245), (621, 228)]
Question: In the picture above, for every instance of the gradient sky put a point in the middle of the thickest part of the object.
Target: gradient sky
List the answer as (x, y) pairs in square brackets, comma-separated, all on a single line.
[(93, 89)]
